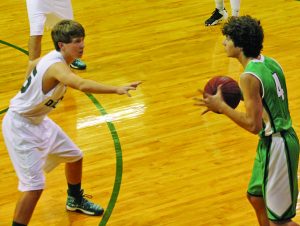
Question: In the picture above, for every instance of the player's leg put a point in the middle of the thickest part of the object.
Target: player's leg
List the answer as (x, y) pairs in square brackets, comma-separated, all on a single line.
[(255, 187), (34, 46), (73, 172), (64, 150), (25, 206), (235, 7), (218, 14), (281, 182), (37, 16), (219, 4), (76, 200), (22, 140), (259, 206)]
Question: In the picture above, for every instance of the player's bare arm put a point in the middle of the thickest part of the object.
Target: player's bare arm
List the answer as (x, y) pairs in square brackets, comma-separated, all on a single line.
[(60, 72), (251, 119)]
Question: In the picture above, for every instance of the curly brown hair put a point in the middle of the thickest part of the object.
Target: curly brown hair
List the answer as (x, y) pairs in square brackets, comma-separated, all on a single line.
[(65, 30), (246, 33)]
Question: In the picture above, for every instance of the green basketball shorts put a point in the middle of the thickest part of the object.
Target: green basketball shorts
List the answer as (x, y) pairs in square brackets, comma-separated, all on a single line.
[(274, 175)]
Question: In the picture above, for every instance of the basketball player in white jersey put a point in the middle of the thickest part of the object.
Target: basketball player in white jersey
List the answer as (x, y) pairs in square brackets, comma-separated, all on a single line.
[(34, 142), (220, 12), (46, 13)]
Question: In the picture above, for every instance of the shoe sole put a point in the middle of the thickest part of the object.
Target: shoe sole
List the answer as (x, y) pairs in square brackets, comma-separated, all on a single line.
[(216, 22), (83, 211), (77, 68)]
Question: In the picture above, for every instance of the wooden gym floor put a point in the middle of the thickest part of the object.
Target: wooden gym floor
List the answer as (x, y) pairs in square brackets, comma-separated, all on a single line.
[(151, 159)]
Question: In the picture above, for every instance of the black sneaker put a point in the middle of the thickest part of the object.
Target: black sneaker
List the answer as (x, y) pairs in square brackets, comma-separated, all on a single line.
[(81, 204), (216, 17), (78, 64)]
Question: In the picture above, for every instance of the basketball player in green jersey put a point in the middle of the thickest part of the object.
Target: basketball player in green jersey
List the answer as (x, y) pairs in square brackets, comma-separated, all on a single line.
[(273, 187)]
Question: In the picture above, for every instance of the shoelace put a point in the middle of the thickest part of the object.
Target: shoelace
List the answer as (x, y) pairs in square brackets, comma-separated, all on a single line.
[(89, 204), (87, 196)]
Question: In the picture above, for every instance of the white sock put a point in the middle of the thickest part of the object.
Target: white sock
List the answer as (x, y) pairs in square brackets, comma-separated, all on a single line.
[(235, 7), (220, 5)]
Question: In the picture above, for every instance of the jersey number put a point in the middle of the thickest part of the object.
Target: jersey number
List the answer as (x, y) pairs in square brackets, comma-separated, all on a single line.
[(280, 91), (53, 103), (28, 81)]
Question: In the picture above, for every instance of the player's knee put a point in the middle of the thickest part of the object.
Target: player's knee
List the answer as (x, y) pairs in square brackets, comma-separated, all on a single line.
[(255, 200), (37, 193), (28, 185), (249, 197)]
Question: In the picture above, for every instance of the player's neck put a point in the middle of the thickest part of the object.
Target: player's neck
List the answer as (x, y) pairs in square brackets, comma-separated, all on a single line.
[(243, 60), (68, 58)]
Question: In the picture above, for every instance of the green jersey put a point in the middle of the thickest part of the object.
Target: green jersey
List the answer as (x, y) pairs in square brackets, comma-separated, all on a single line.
[(276, 115)]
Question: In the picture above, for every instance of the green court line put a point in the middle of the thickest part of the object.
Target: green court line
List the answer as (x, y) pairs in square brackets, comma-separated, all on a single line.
[(3, 111), (118, 151), (119, 164), (14, 46)]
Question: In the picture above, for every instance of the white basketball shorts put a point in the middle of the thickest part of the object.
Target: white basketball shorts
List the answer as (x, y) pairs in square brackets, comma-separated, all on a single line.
[(47, 13), (36, 148)]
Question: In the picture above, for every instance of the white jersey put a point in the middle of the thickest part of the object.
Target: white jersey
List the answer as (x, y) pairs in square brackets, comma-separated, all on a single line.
[(31, 102)]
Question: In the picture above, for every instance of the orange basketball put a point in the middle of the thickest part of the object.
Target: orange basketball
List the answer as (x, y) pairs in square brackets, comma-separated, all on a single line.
[(231, 91)]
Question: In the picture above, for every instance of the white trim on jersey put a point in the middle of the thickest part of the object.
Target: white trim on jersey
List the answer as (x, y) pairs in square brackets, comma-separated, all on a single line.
[(278, 192)]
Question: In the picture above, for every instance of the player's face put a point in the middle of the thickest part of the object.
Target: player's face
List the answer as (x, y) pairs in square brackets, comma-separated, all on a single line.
[(75, 47), (230, 49)]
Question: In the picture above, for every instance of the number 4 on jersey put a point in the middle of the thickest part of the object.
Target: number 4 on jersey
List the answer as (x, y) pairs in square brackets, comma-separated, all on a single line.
[(280, 91)]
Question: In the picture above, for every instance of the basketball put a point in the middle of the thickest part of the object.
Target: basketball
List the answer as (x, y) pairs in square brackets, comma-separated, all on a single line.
[(231, 91)]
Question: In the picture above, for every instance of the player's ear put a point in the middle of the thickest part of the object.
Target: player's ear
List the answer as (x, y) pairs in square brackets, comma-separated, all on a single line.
[(60, 44)]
